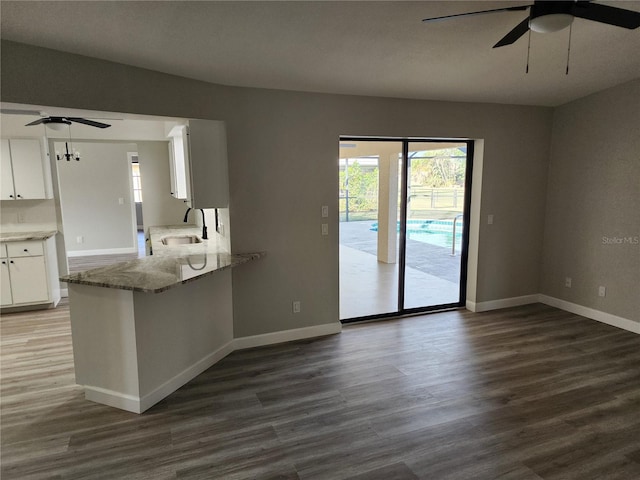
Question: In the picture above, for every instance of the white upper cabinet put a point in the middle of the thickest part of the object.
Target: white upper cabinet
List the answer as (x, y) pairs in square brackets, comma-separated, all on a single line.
[(179, 162), (24, 172), (6, 173), (198, 164)]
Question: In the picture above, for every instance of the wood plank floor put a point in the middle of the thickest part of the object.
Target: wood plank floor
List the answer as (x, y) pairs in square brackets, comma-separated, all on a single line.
[(524, 393)]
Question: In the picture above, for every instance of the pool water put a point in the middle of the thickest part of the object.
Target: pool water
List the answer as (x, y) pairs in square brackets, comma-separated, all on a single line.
[(434, 232)]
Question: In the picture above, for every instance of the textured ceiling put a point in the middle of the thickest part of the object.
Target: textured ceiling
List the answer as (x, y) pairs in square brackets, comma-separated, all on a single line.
[(363, 48)]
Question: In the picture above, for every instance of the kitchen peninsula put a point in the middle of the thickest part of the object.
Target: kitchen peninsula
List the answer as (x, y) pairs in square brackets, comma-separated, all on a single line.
[(142, 329)]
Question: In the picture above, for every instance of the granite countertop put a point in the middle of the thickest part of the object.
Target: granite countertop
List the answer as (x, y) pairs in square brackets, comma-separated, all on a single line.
[(24, 236), (168, 267)]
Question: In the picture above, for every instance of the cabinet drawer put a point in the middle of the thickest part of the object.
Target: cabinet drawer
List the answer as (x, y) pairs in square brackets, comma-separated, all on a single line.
[(25, 249)]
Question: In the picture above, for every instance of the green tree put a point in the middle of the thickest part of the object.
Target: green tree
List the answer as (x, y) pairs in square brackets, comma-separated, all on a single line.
[(362, 186)]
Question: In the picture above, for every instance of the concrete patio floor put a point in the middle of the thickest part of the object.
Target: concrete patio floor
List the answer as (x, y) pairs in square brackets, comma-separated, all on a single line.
[(369, 287)]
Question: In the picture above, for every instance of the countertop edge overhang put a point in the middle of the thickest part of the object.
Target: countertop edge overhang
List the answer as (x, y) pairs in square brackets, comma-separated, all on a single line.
[(169, 266), (156, 275), (26, 236)]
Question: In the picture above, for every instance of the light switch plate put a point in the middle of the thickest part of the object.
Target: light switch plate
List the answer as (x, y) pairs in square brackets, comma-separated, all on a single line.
[(325, 211), (325, 229)]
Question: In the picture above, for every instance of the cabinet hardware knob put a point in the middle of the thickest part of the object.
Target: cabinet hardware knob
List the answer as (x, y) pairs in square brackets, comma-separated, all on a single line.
[(4, 263), (11, 261), (19, 196), (26, 249), (10, 196)]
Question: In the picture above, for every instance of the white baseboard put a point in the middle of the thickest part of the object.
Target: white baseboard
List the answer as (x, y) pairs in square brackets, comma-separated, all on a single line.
[(501, 303), (135, 404), (103, 251), (112, 398), (287, 335), (173, 384), (591, 313)]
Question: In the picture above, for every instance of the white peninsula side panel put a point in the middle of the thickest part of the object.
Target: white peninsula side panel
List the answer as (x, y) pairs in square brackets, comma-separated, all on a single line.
[(132, 349)]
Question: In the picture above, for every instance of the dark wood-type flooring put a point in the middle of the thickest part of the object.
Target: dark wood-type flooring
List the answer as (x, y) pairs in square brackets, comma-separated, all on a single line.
[(524, 393)]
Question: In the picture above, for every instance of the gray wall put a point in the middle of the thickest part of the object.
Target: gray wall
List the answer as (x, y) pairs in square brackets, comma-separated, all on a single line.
[(89, 196), (593, 206), (283, 150), (158, 206)]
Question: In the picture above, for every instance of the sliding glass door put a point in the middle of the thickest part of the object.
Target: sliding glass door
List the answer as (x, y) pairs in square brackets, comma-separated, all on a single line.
[(369, 212), (403, 226), (434, 226)]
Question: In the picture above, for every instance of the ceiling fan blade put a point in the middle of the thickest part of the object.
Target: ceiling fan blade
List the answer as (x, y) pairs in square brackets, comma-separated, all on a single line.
[(605, 14), (91, 123), (505, 9), (515, 34), (36, 122)]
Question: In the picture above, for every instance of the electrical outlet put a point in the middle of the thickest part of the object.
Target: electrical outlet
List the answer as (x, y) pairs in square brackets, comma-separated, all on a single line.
[(325, 211), (121, 201), (602, 291), (79, 239), (296, 306), (325, 229), (567, 282), (20, 217)]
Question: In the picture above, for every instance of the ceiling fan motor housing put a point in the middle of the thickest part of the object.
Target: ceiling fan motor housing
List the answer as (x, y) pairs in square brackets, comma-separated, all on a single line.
[(547, 17), (54, 120)]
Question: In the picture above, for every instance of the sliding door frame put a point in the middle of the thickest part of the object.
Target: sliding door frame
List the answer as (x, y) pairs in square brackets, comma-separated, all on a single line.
[(464, 253)]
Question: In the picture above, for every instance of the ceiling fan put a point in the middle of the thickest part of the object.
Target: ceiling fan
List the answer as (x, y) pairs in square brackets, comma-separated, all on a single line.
[(59, 122), (547, 16)]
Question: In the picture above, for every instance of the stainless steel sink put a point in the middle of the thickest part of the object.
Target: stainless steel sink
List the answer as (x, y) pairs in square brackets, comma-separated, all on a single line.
[(181, 240)]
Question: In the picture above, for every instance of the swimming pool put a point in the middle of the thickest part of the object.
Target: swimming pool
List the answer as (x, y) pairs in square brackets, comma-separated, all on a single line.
[(434, 232)]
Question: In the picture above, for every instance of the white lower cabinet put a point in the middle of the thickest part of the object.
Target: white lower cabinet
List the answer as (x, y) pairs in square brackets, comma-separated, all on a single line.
[(5, 296), (29, 273)]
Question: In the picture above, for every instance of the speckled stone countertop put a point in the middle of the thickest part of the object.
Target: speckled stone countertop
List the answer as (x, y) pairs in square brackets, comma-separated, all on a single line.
[(168, 267), (24, 236)]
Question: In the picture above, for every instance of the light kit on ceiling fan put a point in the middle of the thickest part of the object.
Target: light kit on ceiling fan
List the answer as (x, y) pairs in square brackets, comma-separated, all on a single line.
[(55, 126), (551, 23)]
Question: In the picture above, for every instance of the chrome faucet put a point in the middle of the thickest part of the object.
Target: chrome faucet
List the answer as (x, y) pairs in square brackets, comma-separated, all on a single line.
[(204, 224)]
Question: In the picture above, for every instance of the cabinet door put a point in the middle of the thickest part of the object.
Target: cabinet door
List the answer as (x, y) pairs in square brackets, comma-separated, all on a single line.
[(6, 187), (5, 284), (28, 171), (179, 163), (208, 164), (28, 280)]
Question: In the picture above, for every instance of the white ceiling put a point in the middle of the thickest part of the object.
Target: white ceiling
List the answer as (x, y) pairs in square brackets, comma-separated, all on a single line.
[(363, 48)]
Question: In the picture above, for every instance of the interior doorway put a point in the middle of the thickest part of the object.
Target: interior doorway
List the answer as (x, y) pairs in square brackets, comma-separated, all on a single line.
[(136, 185), (404, 218)]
